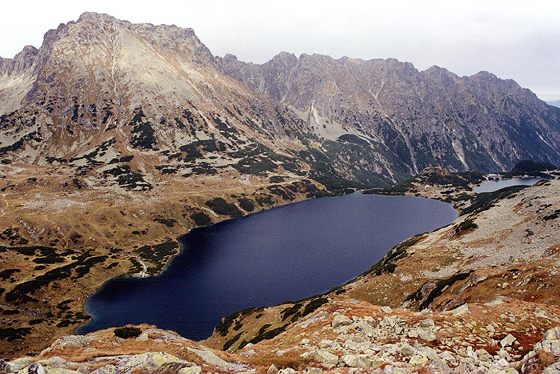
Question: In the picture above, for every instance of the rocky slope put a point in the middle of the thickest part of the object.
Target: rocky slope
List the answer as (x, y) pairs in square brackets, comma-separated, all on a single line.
[(101, 85), (419, 118), (503, 247), (482, 299)]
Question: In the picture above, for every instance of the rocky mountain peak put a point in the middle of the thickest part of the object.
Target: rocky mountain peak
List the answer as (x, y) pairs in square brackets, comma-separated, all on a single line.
[(384, 111), (285, 58), (20, 62)]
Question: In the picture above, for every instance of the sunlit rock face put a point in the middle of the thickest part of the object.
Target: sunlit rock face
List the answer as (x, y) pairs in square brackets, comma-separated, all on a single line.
[(158, 88)]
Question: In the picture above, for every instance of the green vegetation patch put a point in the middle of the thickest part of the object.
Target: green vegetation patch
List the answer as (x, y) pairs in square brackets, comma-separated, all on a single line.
[(143, 135), (127, 332), (529, 167), (552, 216), (484, 201), (388, 263), (246, 204), (78, 268), (466, 225), (10, 334), (7, 273), (232, 341), (128, 179), (266, 335), (222, 207), (158, 254), (196, 149), (436, 290), (201, 218), (226, 322), (169, 222)]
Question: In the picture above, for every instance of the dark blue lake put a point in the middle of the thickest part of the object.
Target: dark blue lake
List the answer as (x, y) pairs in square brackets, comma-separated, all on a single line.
[(285, 253)]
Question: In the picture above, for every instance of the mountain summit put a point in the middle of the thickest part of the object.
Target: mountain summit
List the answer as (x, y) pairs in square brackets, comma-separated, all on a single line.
[(147, 89)]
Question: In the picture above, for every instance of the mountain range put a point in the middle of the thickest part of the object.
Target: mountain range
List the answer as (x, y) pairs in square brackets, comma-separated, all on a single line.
[(157, 92)]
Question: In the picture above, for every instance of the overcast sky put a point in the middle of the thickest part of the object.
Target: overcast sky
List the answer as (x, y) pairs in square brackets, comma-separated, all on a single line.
[(513, 39)]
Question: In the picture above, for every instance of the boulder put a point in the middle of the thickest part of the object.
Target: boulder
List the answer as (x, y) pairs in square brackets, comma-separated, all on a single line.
[(418, 360), (287, 371), (460, 310), (322, 357), (190, 370), (107, 369), (340, 320), (71, 341), (357, 361), (508, 340), (15, 365), (426, 335), (272, 370)]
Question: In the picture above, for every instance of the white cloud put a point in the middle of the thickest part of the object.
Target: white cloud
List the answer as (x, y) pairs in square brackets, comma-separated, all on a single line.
[(513, 39)]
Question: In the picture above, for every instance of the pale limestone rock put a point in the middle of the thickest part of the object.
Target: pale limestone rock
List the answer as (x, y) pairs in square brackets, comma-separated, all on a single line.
[(364, 328), (72, 341), (386, 309), (358, 361), (483, 355), (322, 357), (389, 369), (340, 320), (272, 370), (427, 323), (16, 365), (54, 362), (552, 334), (552, 369), (108, 369), (190, 370), (313, 371), (147, 361), (460, 310), (287, 371), (213, 360), (508, 340), (418, 360), (34, 368), (426, 335), (325, 343), (407, 350), (412, 333)]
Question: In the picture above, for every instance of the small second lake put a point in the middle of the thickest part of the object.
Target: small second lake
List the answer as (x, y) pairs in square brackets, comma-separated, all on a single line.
[(494, 185), (286, 253)]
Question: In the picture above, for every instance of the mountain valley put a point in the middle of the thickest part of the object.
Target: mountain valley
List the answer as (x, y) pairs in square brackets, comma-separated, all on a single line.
[(117, 138)]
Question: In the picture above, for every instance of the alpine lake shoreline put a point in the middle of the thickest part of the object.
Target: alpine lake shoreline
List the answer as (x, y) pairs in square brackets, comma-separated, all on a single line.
[(179, 240)]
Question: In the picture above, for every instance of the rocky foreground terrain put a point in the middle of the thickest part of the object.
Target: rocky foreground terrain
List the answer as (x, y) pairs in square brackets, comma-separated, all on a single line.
[(477, 296), (116, 138)]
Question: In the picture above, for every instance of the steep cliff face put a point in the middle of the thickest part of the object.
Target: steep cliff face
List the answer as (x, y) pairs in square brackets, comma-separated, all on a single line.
[(147, 87), (16, 78), (423, 118), (157, 93), (154, 89)]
